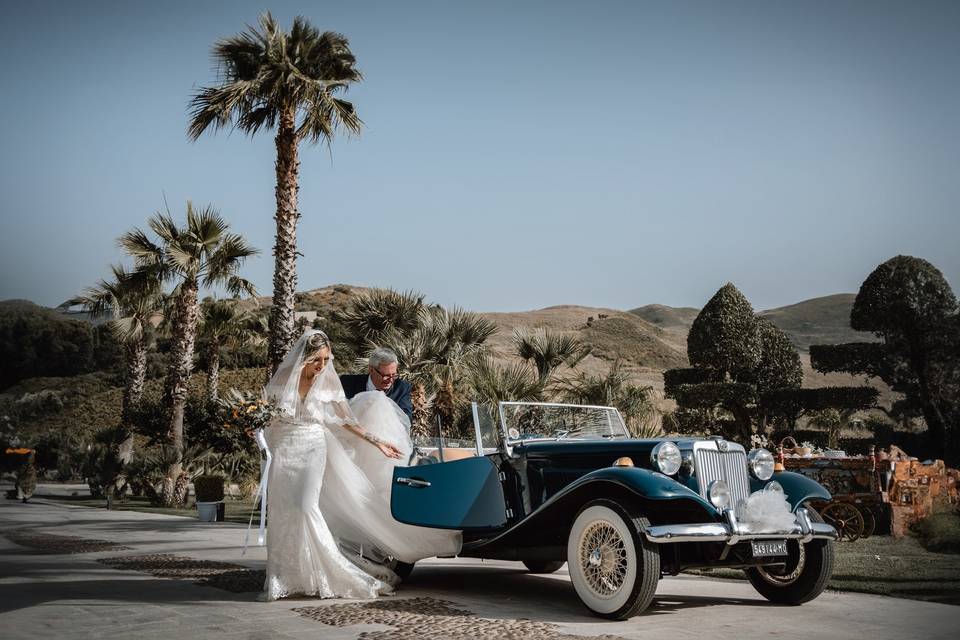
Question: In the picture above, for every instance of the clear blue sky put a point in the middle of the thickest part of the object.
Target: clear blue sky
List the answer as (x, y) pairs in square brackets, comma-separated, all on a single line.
[(516, 155)]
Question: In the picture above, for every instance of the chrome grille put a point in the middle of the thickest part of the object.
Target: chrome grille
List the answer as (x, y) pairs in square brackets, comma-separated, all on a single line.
[(729, 466)]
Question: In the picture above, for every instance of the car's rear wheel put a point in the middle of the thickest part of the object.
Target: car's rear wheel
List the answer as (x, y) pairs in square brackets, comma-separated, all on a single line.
[(802, 578), (614, 569), (543, 566)]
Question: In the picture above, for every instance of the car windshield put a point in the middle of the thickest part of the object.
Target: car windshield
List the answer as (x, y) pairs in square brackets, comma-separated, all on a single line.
[(536, 420)]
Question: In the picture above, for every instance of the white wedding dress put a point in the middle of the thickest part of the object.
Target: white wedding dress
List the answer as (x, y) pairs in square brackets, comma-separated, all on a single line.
[(330, 489), (355, 498)]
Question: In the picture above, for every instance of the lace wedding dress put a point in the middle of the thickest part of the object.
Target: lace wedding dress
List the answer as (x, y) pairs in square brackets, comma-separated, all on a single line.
[(302, 554), (330, 530)]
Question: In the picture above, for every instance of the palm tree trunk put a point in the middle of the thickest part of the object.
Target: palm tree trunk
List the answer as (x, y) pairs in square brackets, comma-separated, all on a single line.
[(420, 425), (213, 371), (184, 336), (285, 250), (444, 406), (133, 392)]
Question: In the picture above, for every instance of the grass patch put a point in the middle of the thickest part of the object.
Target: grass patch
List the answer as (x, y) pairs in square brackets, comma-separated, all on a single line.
[(235, 510), (887, 566)]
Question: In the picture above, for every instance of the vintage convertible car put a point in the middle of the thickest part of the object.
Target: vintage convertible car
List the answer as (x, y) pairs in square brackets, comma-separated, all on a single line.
[(549, 483)]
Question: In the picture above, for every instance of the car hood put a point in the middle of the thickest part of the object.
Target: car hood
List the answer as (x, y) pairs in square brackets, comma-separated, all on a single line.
[(606, 448)]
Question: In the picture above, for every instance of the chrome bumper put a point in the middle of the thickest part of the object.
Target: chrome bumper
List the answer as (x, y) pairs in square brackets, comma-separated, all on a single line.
[(732, 532)]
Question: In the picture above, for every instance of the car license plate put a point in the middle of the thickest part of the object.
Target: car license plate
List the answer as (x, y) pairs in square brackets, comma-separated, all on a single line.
[(763, 548)]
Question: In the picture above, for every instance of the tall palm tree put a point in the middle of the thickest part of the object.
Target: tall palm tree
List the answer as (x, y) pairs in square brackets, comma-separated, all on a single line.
[(547, 350), (288, 80), (132, 303), (202, 253), (222, 324)]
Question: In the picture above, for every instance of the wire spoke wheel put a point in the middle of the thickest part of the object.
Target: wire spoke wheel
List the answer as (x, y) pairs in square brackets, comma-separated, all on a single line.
[(846, 519), (613, 568), (603, 558)]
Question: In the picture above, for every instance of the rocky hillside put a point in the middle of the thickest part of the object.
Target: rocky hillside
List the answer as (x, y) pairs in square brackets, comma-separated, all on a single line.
[(824, 320)]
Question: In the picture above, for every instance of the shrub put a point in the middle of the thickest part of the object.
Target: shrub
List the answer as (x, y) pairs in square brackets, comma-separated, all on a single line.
[(208, 488), (940, 532)]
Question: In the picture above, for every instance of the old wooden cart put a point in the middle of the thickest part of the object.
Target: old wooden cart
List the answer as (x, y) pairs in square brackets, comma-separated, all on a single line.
[(869, 491)]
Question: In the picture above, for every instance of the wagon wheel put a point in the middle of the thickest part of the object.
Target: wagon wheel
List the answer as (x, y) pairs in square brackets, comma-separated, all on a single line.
[(845, 518), (869, 522)]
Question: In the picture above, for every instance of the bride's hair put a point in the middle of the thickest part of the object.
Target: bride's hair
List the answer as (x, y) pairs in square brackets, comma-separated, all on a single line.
[(316, 343)]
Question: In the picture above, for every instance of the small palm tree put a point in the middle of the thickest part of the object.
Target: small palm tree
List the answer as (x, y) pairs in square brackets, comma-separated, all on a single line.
[(132, 303), (615, 390), (222, 324), (375, 314), (492, 383), (548, 350), (202, 253), (433, 355), (288, 80)]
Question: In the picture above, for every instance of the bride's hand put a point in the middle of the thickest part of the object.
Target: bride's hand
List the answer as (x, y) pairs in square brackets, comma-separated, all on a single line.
[(389, 450)]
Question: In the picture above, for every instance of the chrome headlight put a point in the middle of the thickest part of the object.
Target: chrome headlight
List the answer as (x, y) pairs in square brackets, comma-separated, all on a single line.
[(666, 458), (774, 486), (760, 462), (718, 494)]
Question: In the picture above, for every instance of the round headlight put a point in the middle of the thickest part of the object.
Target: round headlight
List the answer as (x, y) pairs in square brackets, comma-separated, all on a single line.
[(666, 458), (775, 486), (719, 494), (761, 462)]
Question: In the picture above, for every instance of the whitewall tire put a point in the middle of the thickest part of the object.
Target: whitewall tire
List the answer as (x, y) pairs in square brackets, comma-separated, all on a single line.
[(613, 568)]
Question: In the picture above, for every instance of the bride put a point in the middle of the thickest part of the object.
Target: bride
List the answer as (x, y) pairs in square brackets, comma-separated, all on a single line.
[(330, 484)]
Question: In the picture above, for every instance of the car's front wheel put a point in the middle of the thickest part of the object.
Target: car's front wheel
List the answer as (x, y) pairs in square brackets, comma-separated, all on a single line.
[(542, 566), (802, 577), (614, 569)]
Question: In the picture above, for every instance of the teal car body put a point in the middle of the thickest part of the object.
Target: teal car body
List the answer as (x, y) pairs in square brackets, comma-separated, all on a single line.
[(517, 500)]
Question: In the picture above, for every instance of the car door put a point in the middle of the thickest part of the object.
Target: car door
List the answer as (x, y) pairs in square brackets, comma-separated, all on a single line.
[(462, 494)]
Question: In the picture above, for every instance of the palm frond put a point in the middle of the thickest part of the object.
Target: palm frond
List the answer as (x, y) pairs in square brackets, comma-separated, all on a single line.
[(372, 315), (138, 245), (492, 383), (239, 287), (547, 349), (264, 68), (221, 266)]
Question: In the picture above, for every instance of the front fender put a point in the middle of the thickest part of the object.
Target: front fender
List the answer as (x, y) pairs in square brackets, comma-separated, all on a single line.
[(797, 487), (547, 526), (646, 484)]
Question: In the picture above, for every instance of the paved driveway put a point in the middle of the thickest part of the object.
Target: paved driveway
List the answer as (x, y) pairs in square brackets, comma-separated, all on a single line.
[(47, 593)]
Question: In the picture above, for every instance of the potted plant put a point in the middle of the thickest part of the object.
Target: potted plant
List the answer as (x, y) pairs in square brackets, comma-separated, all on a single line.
[(209, 494)]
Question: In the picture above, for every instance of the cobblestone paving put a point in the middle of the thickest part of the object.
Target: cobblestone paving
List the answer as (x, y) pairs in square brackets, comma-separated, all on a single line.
[(223, 575), (413, 618), (47, 543)]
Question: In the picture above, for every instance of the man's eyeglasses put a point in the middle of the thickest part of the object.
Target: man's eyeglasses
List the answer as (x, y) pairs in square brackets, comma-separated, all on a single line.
[(386, 376)]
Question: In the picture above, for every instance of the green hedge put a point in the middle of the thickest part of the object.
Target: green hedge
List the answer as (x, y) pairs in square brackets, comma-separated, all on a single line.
[(208, 488)]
